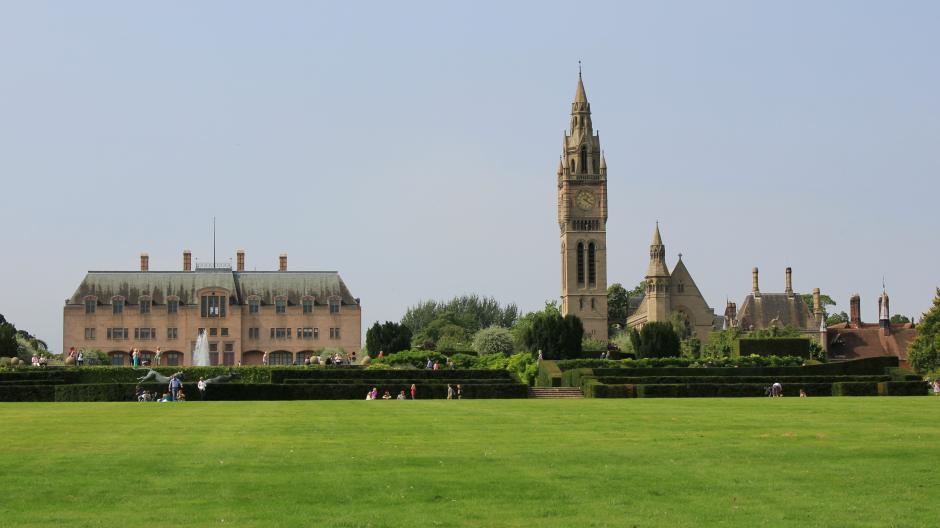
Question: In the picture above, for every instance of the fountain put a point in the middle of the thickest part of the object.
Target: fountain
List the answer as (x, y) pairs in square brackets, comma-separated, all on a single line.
[(201, 351)]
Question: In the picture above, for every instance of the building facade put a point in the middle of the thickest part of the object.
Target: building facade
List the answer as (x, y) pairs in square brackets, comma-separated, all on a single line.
[(582, 219), (291, 315)]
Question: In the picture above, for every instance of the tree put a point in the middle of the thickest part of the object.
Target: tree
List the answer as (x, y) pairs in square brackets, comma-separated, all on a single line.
[(824, 301), (389, 338), (9, 347), (617, 304), (493, 340), (838, 318), (657, 340), (472, 310), (924, 352), (638, 290), (556, 336), (899, 319), (721, 344)]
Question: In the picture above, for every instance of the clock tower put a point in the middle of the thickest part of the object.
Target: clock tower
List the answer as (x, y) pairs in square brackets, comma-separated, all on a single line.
[(582, 218)]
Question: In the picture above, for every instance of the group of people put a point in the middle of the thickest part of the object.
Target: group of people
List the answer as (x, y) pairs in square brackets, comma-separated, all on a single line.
[(935, 385), (169, 396), (776, 391), (453, 392), (78, 358), (436, 365), (39, 360)]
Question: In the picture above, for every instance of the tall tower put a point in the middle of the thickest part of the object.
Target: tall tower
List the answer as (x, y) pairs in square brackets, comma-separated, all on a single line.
[(582, 218), (657, 281)]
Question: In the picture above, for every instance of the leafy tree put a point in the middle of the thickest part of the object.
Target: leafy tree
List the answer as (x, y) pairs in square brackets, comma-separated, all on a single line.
[(657, 340), (389, 338), (450, 326), (824, 301), (638, 290), (899, 319), (838, 318), (471, 310), (924, 352), (556, 336), (493, 340), (524, 324), (617, 304), (9, 347), (721, 344)]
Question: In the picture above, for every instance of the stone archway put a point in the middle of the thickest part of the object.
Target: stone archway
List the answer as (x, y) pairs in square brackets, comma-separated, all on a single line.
[(252, 357)]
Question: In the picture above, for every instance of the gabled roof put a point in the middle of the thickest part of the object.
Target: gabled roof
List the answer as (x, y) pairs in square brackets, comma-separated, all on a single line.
[(294, 285), (768, 309)]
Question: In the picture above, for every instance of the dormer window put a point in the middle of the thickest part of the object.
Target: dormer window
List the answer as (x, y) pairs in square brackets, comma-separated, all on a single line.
[(280, 305), (91, 305), (254, 305), (307, 303), (145, 304), (117, 305), (334, 306), (212, 305)]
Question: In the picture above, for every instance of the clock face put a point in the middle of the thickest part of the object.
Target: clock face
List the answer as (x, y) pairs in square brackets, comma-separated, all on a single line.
[(585, 200)]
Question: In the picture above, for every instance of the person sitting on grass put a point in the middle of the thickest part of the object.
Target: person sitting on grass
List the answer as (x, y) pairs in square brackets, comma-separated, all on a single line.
[(180, 396), (165, 398), (802, 393), (369, 396), (387, 396), (401, 395)]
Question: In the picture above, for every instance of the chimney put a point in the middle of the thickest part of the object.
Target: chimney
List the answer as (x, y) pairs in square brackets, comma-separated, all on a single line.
[(817, 304), (884, 314), (187, 260), (855, 309), (144, 262), (283, 262), (789, 289), (755, 290), (240, 260)]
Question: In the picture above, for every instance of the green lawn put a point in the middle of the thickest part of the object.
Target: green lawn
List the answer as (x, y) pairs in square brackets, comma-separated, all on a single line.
[(671, 462)]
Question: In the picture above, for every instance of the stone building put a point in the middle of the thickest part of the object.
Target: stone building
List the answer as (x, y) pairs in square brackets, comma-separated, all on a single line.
[(856, 340), (289, 314), (582, 219), (671, 292), (761, 310)]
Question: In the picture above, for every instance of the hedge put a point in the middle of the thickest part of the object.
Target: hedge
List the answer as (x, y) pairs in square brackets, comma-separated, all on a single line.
[(549, 374), (27, 393), (725, 390), (386, 381), (592, 389), (278, 376), (855, 388), (270, 391), (903, 388), (766, 380), (772, 346), (573, 377)]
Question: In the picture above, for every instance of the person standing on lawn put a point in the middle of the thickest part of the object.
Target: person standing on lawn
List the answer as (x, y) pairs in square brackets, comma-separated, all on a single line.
[(414, 389), (202, 389)]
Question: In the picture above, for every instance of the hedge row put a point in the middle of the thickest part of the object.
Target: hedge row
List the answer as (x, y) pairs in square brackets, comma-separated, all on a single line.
[(772, 346), (740, 367), (401, 381), (549, 374), (278, 376), (258, 391), (766, 380), (903, 388), (855, 388), (726, 390)]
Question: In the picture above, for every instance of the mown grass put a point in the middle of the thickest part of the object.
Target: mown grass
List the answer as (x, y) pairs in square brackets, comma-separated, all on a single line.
[(690, 462)]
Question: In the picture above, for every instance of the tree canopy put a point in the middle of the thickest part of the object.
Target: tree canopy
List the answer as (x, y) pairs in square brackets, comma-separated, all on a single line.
[(924, 352), (556, 336), (655, 340), (388, 337)]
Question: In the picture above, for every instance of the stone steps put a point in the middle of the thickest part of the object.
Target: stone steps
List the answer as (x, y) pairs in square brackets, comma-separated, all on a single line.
[(555, 393)]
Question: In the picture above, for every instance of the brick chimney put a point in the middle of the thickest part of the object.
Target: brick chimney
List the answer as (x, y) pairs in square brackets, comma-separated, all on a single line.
[(144, 262), (282, 262), (187, 260), (240, 260), (789, 290), (855, 309), (754, 287), (817, 303)]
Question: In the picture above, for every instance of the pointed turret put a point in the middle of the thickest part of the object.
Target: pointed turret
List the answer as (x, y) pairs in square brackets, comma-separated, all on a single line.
[(657, 267), (561, 167), (579, 95)]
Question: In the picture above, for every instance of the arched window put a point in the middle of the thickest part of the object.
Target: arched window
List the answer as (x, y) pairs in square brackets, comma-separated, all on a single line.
[(592, 265), (173, 359), (280, 357), (580, 256), (574, 166), (583, 159)]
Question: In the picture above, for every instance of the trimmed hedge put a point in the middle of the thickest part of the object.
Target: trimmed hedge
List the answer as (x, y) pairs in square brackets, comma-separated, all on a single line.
[(27, 393), (772, 346), (592, 389), (278, 376), (766, 380), (903, 388), (855, 388), (725, 390), (574, 377), (549, 374), (387, 381)]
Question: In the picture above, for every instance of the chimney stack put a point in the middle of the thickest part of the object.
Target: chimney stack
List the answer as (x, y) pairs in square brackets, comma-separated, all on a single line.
[(817, 303), (187, 260), (240, 260), (283, 262), (789, 290), (144, 262), (754, 288), (855, 309)]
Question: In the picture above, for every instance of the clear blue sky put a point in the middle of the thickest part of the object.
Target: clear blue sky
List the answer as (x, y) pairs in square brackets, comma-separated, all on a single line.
[(413, 147)]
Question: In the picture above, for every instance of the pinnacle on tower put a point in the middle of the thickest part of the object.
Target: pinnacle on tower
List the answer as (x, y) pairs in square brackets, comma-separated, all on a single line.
[(580, 96), (657, 267), (657, 239)]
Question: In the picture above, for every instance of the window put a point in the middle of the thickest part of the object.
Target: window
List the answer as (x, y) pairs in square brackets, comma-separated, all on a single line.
[(334, 333), (583, 159), (145, 333), (229, 347), (117, 358), (280, 306), (303, 356), (90, 306), (212, 306), (172, 306), (680, 287), (90, 334), (173, 359), (254, 333), (307, 333), (117, 306), (172, 333), (308, 306), (253, 305), (213, 347), (213, 331), (228, 358), (281, 357), (580, 257), (225, 332), (145, 306), (334, 306), (280, 333), (117, 333), (592, 265)]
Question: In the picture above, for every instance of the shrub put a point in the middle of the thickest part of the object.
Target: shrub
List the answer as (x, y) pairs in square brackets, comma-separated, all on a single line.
[(523, 366), (903, 388), (27, 393), (855, 388), (657, 340), (493, 340), (410, 359), (772, 346)]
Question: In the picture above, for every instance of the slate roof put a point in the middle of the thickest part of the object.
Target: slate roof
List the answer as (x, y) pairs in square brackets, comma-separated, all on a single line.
[(185, 284), (767, 308), (855, 343)]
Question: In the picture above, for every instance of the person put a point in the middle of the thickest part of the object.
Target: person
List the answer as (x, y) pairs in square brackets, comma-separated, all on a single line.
[(802, 393), (450, 392), (202, 389), (777, 390), (35, 360), (369, 396), (936, 387), (264, 358), (429, 364), (175, 385), (401, 395), (156, 357), (414, 389), (459, 392), (375, 393), (139, 393), (381, 353), (80, 358), (437, 366), (387, 396), (180, 396), (306, 361), (135, 357), (165, 398), (43, 360), (72, 354)]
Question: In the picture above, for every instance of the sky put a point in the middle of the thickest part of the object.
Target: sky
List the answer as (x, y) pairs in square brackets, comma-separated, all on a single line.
[(413, 146)]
